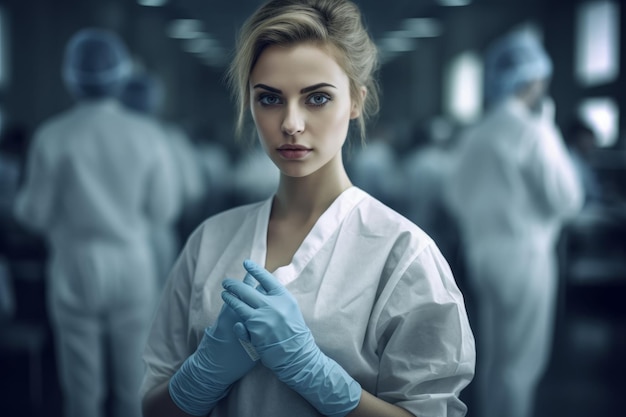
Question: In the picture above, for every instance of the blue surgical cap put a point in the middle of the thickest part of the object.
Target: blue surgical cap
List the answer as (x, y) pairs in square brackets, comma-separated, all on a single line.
[(96, 63), (143, 93), (513, 61)]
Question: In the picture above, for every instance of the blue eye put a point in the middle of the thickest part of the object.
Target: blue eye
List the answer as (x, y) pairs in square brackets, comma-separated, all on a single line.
[(269, 99), (318, 99)]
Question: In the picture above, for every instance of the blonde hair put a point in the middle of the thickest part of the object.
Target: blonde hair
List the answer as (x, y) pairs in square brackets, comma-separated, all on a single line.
[(336, 24)]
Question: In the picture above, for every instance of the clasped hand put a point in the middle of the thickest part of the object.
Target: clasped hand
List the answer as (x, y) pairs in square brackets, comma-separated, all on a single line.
[(220, 360), (272, 322), (269, 313)]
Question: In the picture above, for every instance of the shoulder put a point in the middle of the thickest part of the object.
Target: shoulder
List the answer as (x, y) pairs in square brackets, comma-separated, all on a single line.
[(375, 218), (409, 248), (49, 135), (225, 223), (54, 124), (233, 215), (396, 240), (135, 122)]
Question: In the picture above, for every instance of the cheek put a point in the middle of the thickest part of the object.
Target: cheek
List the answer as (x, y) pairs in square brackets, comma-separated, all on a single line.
[(337, 121), (264, 124)]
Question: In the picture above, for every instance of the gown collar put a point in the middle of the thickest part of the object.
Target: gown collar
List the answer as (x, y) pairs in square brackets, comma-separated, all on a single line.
[(321, 232)]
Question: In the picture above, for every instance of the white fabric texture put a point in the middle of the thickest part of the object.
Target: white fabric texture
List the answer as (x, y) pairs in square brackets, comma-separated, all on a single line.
[(97, 178), (512, 181), (511, 187), (373, 288)]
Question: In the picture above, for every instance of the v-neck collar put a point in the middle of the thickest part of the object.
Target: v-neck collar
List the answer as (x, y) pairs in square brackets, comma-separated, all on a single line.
[(322, 230)]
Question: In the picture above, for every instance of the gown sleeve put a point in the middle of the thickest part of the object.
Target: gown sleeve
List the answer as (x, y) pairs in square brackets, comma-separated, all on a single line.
[(550, 172), (426, 346), (168, 342), (36, 200)]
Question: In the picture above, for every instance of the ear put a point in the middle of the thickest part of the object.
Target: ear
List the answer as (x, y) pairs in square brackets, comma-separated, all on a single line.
[(357, 106)]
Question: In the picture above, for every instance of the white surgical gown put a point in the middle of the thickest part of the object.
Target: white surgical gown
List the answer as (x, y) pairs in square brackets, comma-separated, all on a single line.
[(97, 178), (375, 291), (511, 187)]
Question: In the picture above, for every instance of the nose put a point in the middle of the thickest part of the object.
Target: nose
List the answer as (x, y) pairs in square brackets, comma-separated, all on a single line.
[(293, 122)]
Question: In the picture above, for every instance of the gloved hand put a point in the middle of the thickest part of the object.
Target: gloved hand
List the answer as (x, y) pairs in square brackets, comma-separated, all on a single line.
[(220, 359), (273, 323)]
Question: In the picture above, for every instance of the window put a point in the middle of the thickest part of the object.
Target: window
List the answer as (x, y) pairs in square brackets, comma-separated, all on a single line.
[(597, 42), (3, 50), (602, 114), (464, 86)]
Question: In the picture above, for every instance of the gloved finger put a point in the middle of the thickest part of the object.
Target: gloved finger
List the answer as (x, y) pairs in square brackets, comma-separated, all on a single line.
[(224, 309), (244, 338), (249, 280), (241, 332), (244, 292), (242, 309), (266, 279)]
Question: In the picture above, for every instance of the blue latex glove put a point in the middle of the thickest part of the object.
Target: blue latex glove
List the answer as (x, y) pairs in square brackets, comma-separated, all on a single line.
[(220, 359), (273, 323)]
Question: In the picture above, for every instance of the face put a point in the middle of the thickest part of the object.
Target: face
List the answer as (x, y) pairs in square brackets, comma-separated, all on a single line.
[(301, 106), (535, 93)]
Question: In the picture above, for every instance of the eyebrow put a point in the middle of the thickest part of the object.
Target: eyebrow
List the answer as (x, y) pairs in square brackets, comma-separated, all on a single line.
[(304, 90)]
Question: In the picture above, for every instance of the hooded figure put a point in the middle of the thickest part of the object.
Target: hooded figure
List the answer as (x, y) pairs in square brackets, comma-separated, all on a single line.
[(97, 179), (511, 187)]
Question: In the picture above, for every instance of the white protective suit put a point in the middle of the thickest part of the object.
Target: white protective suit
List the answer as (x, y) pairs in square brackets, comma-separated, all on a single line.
[(374, 168), (511, 187), (97, 177), (425, 171), (189, 189), (373, 288), (255, 177)]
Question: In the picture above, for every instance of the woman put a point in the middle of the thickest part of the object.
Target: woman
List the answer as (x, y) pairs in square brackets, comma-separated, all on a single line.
[(360, 314)]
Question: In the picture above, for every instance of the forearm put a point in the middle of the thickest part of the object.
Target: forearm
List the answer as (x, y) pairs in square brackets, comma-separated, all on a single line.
[(372, 406), (159, 403)]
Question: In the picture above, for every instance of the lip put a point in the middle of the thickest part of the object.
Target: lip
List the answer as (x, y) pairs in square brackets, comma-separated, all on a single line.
[(293, 152)]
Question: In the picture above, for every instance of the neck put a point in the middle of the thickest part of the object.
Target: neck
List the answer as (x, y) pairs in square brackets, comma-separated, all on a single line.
[(308, 197)]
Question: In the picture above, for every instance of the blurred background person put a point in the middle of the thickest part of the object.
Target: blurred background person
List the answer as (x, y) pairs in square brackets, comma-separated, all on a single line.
[(425, 167), (217, 167), (144, 94), (581, 143), (254, 176), (97, 178), (511, 188), (373, 167), (13, 148)]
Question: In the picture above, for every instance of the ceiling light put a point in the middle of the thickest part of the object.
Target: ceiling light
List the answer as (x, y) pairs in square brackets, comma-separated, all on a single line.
[(397, 44), (185, 29), (200, 45), (152, 3), (454, 3), (421, 27)]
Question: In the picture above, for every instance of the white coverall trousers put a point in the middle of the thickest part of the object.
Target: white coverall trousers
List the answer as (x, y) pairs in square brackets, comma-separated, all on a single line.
[(101, 301), (516, 292)]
